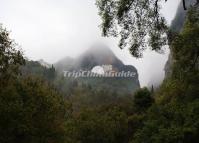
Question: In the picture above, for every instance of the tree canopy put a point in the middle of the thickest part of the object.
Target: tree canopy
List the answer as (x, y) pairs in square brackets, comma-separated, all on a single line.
[(30, 109), (10, 57), (138, 24)]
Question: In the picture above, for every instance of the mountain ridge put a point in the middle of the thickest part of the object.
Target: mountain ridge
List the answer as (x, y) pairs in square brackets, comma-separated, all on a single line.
[(94, 56), (99, 55)]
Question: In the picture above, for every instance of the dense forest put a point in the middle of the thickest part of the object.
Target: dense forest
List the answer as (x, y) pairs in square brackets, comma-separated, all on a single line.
[(35, 108)]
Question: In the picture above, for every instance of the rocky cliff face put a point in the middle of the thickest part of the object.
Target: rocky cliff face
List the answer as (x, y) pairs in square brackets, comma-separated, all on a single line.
[(176, 26), (100, 55), (178, 21)]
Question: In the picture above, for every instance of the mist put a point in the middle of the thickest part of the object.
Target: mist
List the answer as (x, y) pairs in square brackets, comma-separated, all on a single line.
[(52, 30)]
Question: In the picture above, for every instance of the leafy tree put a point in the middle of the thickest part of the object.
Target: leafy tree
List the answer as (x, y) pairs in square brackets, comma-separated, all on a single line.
[(50, 73), (174, 116), (133, 21), (31, 111), (34, 68), (142, 99), (138, 23), (10, 58), (99, 126), (186, 46)]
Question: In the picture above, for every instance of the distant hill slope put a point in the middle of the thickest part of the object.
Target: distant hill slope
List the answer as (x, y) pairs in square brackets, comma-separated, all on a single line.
[(99, 55), (39, 69)]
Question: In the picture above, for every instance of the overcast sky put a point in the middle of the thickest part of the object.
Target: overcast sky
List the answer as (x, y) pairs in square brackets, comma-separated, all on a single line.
[(53, 29)]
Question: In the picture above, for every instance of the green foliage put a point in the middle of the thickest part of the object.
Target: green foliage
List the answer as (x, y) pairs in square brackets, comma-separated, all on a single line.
[(174, 116), (99, 126), (34, 68), (142, 99), (31, 111), (138, 23), (172, 122), (187, 44), (10, 58), (133, 21)]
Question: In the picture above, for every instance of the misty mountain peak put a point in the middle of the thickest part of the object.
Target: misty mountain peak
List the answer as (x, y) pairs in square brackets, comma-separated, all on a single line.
[(99, 51), (95, 59), (99, 48), (97, 54)]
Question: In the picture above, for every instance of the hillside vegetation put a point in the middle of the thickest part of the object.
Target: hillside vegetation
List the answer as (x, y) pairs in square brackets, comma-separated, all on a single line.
[(33, 108)]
